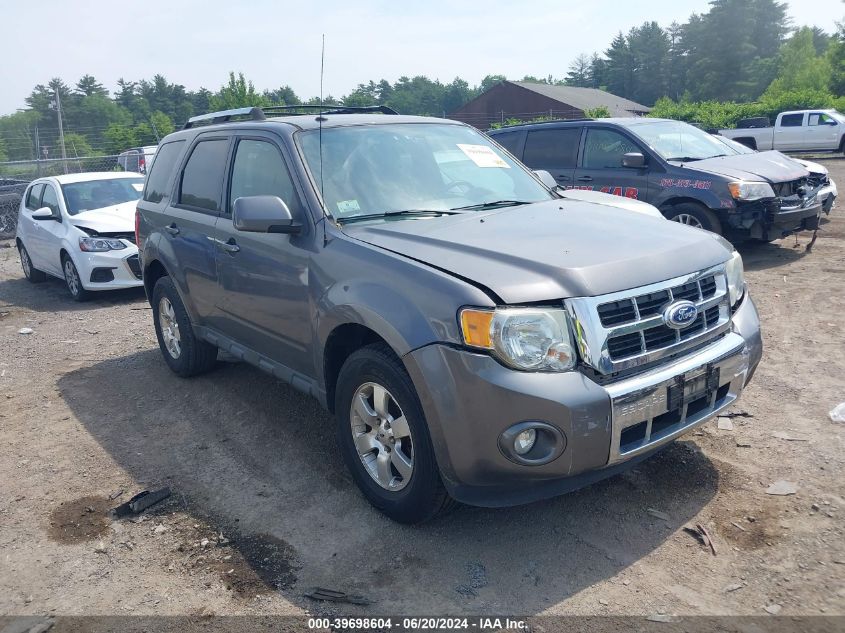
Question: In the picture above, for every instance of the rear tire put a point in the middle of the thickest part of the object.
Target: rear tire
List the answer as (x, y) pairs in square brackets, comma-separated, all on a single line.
[(73, 281), (186, 354), (384, 437), (694, 215), (31, 272)]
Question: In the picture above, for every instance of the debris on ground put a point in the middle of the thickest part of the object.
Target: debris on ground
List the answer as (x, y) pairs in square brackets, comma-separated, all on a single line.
[(25, 330), (659, 617), (159, 529), (330, 595), (738, 526), (700, 533), (773, 609), (141, 502), (743, 444), (725, 424), (781, 435), (732, 587), (837, 414), (658, 514), (736, 414), (782, 488)]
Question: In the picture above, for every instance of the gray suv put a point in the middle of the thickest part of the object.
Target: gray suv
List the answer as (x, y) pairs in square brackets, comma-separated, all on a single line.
[(478, 337)]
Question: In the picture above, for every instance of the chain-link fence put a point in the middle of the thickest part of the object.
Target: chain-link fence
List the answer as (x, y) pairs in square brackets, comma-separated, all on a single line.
[(16, 175)]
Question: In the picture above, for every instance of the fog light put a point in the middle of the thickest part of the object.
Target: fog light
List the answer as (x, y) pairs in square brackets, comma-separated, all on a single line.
[(524, 441)]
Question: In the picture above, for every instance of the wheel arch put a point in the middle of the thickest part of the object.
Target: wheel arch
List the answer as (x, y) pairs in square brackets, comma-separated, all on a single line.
[(667, 205), (152, 272)]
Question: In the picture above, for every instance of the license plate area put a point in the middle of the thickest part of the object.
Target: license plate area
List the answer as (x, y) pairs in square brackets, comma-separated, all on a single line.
[(694, 386)]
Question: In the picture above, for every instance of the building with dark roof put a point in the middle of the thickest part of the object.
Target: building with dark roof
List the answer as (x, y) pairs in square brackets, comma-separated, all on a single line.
[(525, 100)]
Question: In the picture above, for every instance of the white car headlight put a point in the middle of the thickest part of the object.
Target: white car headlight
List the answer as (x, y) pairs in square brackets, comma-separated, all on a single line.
[(736, 278), (529, 339), (100, 244), (748, 190)]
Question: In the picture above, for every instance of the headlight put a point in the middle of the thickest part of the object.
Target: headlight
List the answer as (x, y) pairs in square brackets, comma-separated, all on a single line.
[(746, 190), (100, 244), (530, 339), (736, 278)]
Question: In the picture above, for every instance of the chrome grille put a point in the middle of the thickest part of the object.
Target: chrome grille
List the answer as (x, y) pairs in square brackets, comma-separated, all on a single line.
[(626, 329)]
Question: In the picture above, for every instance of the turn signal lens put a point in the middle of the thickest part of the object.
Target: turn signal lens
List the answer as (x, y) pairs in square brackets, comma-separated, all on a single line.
[(475, 325)]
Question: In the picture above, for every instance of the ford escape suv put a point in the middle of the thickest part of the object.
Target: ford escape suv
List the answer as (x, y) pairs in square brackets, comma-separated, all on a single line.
[(478, 337)]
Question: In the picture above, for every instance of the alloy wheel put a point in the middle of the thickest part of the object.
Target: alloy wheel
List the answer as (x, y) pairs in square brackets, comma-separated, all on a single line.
[(689, 220), (169, 328), (72, 278), (382, 436), (25, 263)]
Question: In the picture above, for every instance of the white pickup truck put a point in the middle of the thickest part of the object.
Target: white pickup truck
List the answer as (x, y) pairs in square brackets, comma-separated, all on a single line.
[(796, 131)]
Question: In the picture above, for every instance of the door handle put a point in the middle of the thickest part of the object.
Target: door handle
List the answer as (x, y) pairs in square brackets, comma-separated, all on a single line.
[(172, 229), (585, 178), (561, 176), (230, 245)]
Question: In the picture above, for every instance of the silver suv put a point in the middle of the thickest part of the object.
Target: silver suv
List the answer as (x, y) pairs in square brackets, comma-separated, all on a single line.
[(477, 336)]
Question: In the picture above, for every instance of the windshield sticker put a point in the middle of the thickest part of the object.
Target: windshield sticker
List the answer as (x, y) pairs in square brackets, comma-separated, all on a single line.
[(348, 206), (138, 186), (685, 183), (483, 156)]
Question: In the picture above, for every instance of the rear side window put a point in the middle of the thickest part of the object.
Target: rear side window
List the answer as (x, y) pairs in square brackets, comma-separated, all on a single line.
[(259, 170), (792, 120), (33, 198), (50, 199), (552, 149), (203, 175), (159, 176), (511, 141)]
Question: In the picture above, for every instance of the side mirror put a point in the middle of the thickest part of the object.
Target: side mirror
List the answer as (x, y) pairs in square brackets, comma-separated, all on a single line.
[(546, 178), (263, 214), (44, 213), (634, 160)]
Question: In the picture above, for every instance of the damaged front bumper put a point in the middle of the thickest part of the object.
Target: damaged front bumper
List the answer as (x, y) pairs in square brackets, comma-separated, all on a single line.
[(774, 218)]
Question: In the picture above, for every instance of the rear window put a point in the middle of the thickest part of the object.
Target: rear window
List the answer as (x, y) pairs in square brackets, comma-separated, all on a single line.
[(33, 198), (552, 149), (203, 175), (792, 120), (159, 176)]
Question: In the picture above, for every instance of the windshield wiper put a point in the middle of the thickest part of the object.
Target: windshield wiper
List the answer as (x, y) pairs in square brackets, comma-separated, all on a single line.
[(393, 214), (492, 205), (685, 159)]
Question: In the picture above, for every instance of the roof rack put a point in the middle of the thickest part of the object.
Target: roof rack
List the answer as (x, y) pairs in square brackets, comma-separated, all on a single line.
[(260, 114)]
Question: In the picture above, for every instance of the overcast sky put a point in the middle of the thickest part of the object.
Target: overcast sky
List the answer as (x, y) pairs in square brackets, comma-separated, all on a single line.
[(197, 42)]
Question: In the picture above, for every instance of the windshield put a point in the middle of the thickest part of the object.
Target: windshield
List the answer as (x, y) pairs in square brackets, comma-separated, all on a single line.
[(675, 140), (96, 194), (383, 169), (738, 148)]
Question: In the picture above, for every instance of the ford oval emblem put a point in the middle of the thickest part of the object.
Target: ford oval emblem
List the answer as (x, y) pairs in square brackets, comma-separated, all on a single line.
[(680, 314)]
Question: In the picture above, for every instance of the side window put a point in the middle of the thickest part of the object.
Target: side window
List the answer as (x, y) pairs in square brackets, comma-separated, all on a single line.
[(792, 120), (820, 118), (605, 148), (203, 175), (165, 160), (510, 141), (259, 170), (33, 198), (50, 199), (556, 149)]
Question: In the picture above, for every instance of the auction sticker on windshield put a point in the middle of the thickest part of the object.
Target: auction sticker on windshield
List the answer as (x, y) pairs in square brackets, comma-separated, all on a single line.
[(483, 156), (348, 206)]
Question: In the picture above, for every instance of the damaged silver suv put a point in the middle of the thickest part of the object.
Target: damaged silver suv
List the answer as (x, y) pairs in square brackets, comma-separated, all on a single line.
[(478, 337)]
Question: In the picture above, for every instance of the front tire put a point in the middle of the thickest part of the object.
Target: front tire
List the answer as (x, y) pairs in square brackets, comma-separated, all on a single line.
[(384, 437), (34, 275), (73, 281), (185, 353), (694, 215)]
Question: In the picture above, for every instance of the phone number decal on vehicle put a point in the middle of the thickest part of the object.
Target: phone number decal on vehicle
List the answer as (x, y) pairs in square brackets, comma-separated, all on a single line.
[(686, 183)]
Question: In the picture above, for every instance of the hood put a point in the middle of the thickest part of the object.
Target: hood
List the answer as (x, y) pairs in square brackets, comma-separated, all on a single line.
[(813, 168), (772, 166), (549, 250), (119, 218), (610, 200)]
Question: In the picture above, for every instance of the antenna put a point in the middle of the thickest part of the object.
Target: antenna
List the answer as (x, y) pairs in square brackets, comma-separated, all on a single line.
[(320, 116)]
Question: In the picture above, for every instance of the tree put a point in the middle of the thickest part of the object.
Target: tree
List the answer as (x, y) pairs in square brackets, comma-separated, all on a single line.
[(77, 145), (800, 67), (836, 59), (282, 96), (598, 71), (88, 86), (619, 67), (649, 47), (489, 81), (238, 93), (579, 72)]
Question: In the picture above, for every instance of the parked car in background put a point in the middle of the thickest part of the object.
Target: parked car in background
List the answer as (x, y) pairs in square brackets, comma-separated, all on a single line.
[(819, 175), (688, 174), (476, 335), (80, 228), (796, 131), (137, 159)]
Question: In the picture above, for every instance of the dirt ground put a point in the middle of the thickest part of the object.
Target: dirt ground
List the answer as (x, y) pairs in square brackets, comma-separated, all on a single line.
[(262, 509)]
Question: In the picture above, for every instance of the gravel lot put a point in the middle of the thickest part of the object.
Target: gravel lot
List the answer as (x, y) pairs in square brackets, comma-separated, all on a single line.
[(263, 509)]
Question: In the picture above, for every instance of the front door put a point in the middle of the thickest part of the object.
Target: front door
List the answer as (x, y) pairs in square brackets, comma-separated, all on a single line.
[(264, 300), (601, 165), (823, 131), (49, 233)]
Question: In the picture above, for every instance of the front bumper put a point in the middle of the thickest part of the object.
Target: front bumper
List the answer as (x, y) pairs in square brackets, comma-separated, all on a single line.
[(469, 399), (110, 270), (769, 220)]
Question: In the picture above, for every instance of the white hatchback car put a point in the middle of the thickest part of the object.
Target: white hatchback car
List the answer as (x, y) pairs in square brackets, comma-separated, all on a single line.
[(81, 228)]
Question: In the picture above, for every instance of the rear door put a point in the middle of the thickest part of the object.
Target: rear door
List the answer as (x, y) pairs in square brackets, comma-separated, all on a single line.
[(190, 230), (790, 132), (600, 167), (555, 150), (263, 299)]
